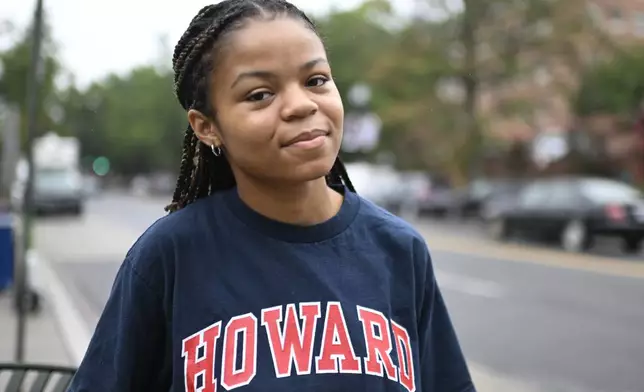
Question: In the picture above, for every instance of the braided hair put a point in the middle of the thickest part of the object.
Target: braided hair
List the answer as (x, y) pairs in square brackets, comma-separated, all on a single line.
[(201, 172)]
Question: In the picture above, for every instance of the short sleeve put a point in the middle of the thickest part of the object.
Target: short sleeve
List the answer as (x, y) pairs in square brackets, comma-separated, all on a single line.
[(442, 364), (129, 350)]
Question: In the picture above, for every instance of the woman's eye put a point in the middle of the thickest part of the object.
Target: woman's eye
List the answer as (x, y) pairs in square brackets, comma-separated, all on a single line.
[(259, 96), (317, 81)]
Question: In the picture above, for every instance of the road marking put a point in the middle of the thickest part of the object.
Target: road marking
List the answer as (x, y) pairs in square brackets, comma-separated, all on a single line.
[(486, 380), (469, 285), (75, 331), (533, 255)]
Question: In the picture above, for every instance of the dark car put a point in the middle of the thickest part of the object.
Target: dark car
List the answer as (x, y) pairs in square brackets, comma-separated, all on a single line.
[(575, 210), (469, 202), (410, 190), (502, 198)]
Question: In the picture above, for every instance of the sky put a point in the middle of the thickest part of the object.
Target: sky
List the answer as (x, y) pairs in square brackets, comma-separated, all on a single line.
[(96, 38)]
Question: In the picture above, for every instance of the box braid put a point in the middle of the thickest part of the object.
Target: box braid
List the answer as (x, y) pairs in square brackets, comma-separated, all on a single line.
[(201, 172)]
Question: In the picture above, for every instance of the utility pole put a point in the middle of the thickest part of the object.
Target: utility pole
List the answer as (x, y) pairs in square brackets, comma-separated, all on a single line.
[(33, 89), (10, 116)]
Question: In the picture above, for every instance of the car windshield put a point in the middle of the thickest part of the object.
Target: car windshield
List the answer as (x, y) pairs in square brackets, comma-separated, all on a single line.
[(606, 191), (55, 179)]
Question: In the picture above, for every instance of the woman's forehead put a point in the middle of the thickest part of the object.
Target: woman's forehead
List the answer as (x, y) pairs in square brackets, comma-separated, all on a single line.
[(263, 43)]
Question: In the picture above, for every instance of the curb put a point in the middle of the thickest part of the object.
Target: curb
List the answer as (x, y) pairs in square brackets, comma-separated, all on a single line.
[(75, 332), (526, 253)]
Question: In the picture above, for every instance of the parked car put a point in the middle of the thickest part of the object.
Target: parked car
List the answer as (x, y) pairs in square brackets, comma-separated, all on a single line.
[(437, 198), (502, 197), (59, 190), (574, 211), (466, 202), (407, 194), (469, 201), (377, 183), (55, 191)]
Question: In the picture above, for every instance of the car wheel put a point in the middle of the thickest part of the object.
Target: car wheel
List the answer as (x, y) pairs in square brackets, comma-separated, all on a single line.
[(77, 210), (632, 245), (575, 237)]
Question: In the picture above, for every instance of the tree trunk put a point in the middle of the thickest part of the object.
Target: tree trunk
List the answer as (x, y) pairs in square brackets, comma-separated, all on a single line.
[(471, 86)]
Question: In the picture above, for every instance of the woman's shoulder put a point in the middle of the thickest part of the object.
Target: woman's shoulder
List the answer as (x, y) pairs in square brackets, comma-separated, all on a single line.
[(172, 226), (164, 239), (395, 237), (383, 222), (391, 233)]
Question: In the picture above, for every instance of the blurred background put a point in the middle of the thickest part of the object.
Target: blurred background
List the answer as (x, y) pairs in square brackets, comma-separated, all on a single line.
[(510, 133)]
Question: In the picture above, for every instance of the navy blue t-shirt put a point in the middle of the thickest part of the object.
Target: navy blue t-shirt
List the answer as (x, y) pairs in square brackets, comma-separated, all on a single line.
[(218, 297)]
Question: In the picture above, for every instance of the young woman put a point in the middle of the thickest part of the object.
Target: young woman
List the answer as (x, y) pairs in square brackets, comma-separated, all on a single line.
[(270, 273)]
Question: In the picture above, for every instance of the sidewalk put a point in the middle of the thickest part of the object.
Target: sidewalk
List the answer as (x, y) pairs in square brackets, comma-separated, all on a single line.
[(43, 342)]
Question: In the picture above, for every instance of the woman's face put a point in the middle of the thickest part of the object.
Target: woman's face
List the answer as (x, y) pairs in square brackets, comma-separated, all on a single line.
[(279, 115)]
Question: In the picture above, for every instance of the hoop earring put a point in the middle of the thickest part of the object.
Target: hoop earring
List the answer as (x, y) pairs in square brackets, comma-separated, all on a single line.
[(216, 150)]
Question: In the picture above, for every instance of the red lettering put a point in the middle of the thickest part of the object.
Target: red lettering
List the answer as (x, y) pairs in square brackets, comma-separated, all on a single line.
[(291, 333), (195, 366), (403, 348), (336, 344), (292, 343), (231, 377), (378, 345)]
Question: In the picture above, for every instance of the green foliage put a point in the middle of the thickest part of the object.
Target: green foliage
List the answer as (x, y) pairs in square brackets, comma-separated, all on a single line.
[(135, 121), (613, 87), (354, 40), (15, 63)]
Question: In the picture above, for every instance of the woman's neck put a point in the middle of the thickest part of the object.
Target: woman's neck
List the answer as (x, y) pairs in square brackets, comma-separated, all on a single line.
[(303, 204)]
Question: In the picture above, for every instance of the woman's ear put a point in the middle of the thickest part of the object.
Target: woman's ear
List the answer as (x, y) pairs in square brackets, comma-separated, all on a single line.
[(205, 128)]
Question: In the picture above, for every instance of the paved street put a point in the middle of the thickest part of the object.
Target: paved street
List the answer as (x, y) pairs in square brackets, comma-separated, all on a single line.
[(565, 330), (534, 318), (608, 247)]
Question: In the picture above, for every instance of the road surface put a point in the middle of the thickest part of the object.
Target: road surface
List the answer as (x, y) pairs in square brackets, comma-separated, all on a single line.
[(544, 320)]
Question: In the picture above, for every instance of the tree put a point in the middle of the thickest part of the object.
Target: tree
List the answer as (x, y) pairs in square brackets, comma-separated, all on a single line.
[(499, 48), (405, 62), (13, 80), (609, 103), (614, 87), (422, 128), (355, 39), (133, 120)]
